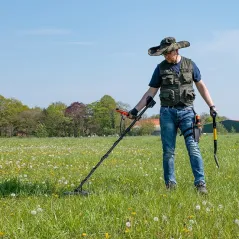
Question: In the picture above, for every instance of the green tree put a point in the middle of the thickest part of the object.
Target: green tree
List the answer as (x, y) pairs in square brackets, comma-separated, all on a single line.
[(233, 130), (9, 111), (28, 120), (41, 131), (207, 118), (102, 116), (55, 120), (221, 128)]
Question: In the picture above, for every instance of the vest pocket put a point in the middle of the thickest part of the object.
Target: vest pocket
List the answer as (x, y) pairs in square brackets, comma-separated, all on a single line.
[(187, 77), (167, 95), (168, 80), (189, 94)]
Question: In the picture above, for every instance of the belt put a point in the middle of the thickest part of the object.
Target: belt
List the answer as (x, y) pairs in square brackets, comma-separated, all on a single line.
[(177, 106)]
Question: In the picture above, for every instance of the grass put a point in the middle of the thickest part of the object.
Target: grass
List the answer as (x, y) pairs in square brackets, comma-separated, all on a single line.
[(128, 198)]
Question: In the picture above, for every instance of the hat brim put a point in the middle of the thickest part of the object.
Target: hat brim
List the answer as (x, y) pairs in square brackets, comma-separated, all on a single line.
[(159, 50)]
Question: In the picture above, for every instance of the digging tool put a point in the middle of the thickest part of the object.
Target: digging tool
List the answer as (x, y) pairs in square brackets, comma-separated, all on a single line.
[(79, 190), (214, 124)]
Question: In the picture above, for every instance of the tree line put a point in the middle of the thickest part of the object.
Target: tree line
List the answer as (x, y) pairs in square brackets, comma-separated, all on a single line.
[(59, 120), (78, 119)]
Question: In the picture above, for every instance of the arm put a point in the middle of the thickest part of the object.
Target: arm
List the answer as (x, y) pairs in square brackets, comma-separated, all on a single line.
[(204, 92), (150, 92)]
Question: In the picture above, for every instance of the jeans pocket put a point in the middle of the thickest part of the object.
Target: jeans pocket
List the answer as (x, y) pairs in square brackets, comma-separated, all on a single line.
[(163, 110)]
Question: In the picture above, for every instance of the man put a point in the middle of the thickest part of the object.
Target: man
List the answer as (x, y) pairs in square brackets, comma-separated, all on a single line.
[(174, 77)]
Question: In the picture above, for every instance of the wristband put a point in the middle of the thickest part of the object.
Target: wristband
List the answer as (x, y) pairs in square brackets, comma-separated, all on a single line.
[(134, 111)]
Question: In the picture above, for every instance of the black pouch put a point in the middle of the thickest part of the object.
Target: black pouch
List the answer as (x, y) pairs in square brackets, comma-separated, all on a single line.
[(195, 131)]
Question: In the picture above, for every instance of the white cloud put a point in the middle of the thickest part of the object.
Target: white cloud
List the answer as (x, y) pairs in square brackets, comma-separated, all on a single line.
[(45, 31)]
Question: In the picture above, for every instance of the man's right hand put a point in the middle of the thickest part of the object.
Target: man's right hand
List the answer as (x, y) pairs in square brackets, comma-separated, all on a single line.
[(133, 113)]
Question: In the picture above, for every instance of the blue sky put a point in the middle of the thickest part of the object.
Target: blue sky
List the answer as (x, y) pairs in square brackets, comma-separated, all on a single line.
[(72, 50)]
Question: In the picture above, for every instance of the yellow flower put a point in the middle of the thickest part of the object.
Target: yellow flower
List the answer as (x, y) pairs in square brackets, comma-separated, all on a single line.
[(84, 234), (186, 230), (133, 213), (1, 234), (126, 230), (107, 236)]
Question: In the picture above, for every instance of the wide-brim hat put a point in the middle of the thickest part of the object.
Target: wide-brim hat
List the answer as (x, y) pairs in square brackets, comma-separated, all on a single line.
[(167, 44)]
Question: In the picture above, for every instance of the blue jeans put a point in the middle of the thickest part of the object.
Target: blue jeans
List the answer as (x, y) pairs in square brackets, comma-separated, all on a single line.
[(170, 120)]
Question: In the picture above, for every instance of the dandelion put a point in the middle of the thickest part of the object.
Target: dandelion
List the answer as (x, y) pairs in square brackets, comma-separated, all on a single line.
[(191, 221), (13, 195), (1, 234), (208, 209), (107, 236), (128, 224), (156, 219), (164, 218), (198, 207), (84, 234), (126, 230), (220, 206), (133, 213), (33, 212), (185, 230), (204, 203), (236, 221), (39, 209)]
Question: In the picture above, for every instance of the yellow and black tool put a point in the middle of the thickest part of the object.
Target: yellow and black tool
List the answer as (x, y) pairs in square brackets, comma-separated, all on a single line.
[(214, 124)]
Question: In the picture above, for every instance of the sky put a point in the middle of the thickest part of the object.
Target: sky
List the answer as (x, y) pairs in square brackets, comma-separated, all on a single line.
[(74, 50)]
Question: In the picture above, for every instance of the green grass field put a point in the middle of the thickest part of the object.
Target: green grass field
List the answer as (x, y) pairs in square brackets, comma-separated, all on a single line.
[(128, 198)]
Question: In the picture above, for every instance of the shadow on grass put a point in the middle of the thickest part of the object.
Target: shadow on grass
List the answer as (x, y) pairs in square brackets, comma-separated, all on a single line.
[(18, 187)]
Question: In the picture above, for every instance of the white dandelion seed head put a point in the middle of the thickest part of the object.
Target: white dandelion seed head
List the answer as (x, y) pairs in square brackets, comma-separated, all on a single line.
[(39, 209), (220, 206), (204, 203), (128, 224), (164, 218), (236, 221), (191, 221), (156, 219), (33, 212), (190, 228), (198, 207), (208, 209), (13, 195)]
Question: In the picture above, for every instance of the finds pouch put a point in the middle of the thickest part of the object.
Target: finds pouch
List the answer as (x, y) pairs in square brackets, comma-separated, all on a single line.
[(194, 131)]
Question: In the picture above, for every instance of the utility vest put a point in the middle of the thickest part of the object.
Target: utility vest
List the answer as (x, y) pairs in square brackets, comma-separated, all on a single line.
[(177, 88)]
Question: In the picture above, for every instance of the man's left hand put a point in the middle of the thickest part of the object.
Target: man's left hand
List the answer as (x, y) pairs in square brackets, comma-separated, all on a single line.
[(213, 111)]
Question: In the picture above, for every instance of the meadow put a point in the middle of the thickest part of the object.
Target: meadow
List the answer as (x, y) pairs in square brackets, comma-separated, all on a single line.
[(127, 197)]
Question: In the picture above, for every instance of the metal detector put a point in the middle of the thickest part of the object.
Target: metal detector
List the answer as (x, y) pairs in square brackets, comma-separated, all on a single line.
[(79, 191)]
